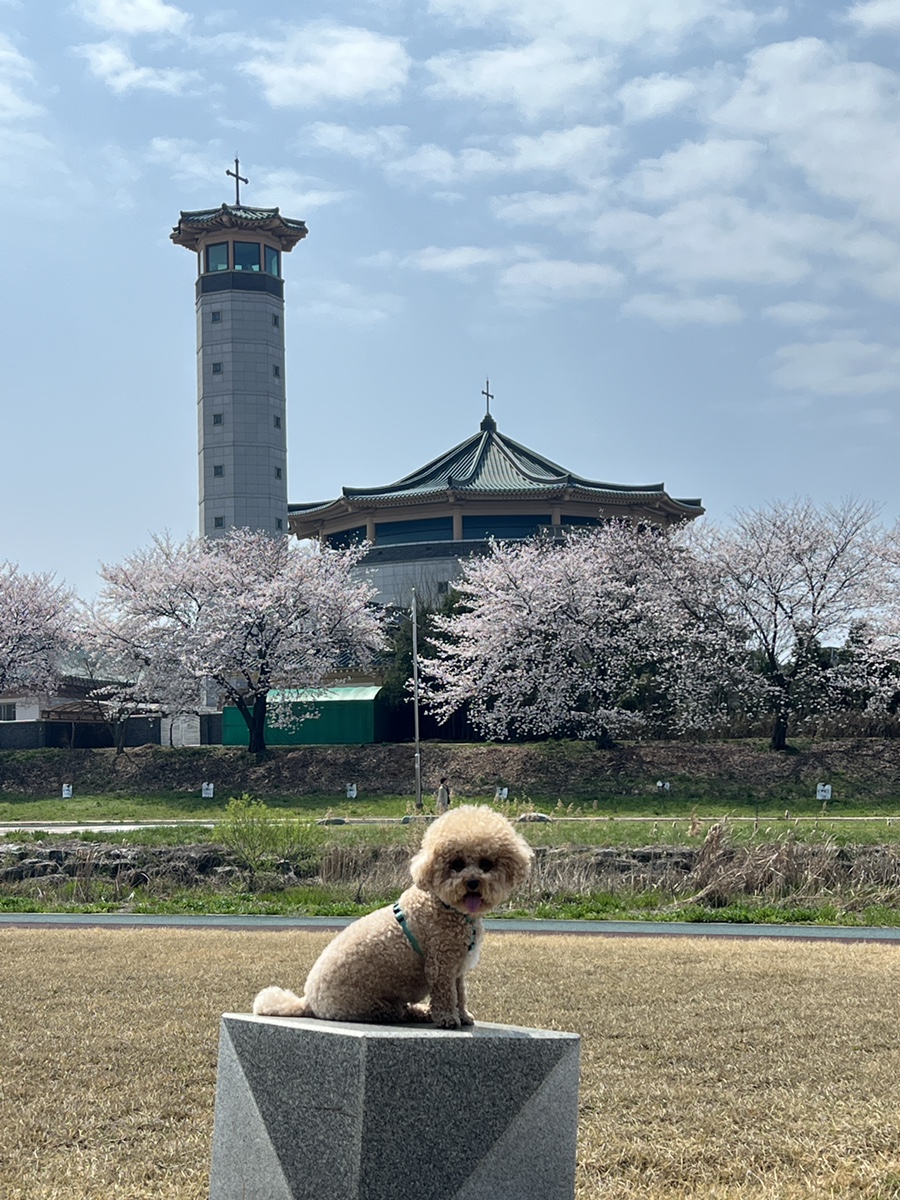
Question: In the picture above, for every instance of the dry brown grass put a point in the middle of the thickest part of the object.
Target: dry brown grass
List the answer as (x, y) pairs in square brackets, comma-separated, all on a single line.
[(752, 1070)]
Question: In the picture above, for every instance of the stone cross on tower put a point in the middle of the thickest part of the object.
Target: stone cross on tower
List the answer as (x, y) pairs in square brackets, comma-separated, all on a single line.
[(238, 180)]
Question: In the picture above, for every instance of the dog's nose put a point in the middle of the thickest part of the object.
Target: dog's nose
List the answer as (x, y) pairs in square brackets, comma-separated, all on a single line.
[(473, 885)]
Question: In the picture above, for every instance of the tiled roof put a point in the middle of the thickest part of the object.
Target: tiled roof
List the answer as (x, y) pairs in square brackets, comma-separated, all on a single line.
[(489, 463), (194, 225)]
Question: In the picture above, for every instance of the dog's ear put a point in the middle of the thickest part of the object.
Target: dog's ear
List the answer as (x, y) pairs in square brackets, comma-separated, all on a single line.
[(516, 859), (421, 868)]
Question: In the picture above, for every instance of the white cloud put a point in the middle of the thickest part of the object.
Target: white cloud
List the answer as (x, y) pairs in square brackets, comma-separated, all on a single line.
[(292, 192), (111, 63), (876, 16), (544, 279), (324, 62), (351, 304), (642, 99), (718, 164), (842, 367), (369, 145), (717, 237), (187, 160), (581, 152), (836, 121), (651, 24), (543, 76), (801, 312), (683, 310), (545, 208), (15, 70), (460, 260), (134, 16)]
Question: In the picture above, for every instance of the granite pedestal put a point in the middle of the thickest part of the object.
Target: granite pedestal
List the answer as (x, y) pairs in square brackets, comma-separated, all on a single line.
[(327, 1110)]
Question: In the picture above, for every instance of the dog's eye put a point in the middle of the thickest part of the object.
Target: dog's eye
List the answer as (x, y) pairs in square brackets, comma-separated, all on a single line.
[(458, 864), (485, 864)]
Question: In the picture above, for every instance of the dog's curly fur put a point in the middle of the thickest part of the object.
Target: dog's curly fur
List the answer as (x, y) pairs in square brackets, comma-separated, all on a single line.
[(471, 859)]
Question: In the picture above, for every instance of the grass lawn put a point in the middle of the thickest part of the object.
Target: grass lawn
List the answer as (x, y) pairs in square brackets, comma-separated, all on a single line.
[(710, 1071)]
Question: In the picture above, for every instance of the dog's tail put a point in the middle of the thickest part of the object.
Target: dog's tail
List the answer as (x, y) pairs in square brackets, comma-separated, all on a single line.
[(279, 1002)]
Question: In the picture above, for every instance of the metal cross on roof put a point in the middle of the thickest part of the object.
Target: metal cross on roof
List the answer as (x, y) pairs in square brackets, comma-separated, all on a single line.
[(238, 180), (488, 395)]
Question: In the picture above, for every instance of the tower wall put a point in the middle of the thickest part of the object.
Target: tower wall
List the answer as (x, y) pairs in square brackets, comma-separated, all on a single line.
[(241, 410)]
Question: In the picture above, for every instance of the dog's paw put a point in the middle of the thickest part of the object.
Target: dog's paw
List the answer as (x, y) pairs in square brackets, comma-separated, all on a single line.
[(417, 1013), (446, 1020), (466, 1017)]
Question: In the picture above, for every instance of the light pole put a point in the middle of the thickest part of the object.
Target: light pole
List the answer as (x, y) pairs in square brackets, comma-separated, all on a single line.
[(415, 667)]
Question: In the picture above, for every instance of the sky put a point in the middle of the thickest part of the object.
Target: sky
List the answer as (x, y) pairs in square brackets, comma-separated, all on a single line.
[(665, 230)]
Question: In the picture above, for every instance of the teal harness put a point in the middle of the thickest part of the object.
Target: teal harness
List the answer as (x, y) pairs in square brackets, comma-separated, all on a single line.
[(404, 925), (411, 937)]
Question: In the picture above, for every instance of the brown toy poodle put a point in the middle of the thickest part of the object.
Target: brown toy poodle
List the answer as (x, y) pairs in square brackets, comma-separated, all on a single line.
[(379, 968)]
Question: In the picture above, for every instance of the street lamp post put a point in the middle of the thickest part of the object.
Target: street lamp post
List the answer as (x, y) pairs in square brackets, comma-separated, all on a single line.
[(415, 666)]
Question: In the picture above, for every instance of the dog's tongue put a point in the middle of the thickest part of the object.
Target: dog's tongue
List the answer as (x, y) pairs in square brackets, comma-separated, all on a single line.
[(473, 903)]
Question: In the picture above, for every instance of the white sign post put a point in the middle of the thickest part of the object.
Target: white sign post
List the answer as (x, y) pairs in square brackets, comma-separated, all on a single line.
[(351, 791), (208, 791), (67, 791), (823, 791)]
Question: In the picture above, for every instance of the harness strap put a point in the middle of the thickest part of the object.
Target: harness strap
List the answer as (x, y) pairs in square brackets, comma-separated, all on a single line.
[(408, 933)]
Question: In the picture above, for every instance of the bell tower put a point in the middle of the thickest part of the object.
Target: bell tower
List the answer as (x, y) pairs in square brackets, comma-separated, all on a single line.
[(241, 406)]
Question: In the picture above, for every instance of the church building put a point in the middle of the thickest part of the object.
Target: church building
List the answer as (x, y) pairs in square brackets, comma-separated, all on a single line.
[(488, 487)]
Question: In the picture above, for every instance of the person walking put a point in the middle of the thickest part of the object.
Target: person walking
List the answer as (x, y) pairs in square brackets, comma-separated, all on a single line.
[(442, 797)]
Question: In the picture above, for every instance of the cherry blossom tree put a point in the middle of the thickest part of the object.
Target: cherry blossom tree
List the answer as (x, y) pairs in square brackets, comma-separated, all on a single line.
[(564, 638), (123, 679), (36, 620), (799, 579), (247, 613)]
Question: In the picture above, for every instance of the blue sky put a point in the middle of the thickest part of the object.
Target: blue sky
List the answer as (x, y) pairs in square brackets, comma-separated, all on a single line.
[(666, 229)]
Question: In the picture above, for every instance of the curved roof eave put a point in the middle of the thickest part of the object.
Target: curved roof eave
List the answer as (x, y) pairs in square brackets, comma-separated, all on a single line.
[(619, 497)]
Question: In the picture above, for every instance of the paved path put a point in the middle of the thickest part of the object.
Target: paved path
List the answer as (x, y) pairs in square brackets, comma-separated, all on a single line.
[(817, 933)]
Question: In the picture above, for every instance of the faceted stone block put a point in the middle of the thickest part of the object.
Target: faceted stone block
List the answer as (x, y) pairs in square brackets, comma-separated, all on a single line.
[(328, 1110)]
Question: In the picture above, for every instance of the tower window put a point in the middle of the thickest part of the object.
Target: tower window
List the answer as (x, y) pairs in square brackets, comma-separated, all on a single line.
[(272, 265), (279, 524), (277, 421), (246, 256), (276, 320), (278, 472), (217, 257), (218, 522), (276, 370), (217, 368), (218, 418), (215, 315), (218, 470)]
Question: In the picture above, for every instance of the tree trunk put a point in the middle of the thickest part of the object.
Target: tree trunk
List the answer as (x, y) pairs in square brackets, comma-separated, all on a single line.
[(255, 720), (257, 743), (779, 732)]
